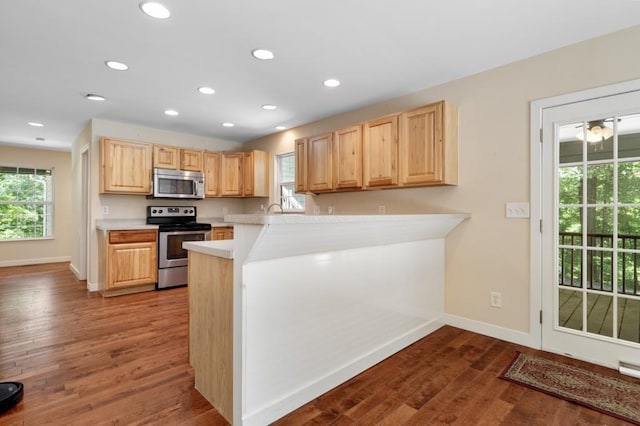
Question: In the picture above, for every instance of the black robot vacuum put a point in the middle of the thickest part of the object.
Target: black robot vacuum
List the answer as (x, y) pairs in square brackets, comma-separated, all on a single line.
[(10, 395)]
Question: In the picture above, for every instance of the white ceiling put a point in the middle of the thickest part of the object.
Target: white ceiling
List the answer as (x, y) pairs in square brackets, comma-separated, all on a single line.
[(52, 54)]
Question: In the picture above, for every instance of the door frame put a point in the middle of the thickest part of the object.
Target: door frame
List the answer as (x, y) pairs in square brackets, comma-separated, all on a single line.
[(539, 313)]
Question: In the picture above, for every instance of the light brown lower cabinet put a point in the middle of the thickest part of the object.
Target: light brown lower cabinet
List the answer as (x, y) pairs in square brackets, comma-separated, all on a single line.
[(128, 261), (222, 233)]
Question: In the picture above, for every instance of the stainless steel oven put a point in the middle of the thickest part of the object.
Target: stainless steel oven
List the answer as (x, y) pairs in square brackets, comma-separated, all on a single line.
[(176, 225)]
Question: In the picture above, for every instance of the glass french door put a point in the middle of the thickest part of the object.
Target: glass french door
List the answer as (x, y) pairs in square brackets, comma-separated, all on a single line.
[(591, 229)]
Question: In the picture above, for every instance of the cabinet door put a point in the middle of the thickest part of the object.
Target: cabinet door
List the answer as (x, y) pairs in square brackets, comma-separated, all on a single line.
[(131, 264), (126, 167), (347, 158), (211, 163), (256, 174), (166, 157), (381, 152), (191, 160), (302, 164), (421, 147), (231, 174), (320, 169), (222, 233)]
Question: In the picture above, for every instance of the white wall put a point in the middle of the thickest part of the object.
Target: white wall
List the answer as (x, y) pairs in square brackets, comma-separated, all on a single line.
[(57, 249), (489, 252)]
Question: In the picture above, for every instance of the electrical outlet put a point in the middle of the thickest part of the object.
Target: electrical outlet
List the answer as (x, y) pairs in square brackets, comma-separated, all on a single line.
[(517, 210), (381, 209), (105, 210), (316, 209), (496, 299), (225, 211), (330, 209)]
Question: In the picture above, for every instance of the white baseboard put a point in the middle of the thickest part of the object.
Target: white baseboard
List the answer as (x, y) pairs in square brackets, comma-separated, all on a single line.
[(75, 271), (492, 330), (24, 262), (92, 286)]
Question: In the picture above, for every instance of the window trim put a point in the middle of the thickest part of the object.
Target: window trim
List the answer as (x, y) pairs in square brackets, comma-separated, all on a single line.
[(279, 182), (50, 203)]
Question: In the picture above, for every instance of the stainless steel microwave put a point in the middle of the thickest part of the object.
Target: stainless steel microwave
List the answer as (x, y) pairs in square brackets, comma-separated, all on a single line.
[(177, 184)]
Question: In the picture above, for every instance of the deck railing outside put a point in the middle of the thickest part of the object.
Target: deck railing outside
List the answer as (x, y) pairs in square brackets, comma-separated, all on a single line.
[(599, 263)]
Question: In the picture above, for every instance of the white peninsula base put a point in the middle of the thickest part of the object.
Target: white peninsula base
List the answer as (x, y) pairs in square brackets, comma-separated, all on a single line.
[(319, 299)]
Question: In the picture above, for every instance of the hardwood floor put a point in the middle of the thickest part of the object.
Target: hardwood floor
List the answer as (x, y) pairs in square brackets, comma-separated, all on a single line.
[(123, 360)]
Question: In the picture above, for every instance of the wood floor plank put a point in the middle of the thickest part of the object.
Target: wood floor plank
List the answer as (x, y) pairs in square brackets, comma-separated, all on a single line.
[(86, 360)]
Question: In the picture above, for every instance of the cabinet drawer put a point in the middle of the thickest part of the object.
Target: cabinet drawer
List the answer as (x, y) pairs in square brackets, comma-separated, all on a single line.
[(142, 236)]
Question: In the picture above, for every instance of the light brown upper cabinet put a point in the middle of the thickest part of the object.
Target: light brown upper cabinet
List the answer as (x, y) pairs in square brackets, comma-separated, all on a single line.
[(347, 158), (191, 159), (302, 164), (211, 168), (320, 176), (166, 157), (256, 174), (429, 145), (380, 152), (126, 167), (231, 174)]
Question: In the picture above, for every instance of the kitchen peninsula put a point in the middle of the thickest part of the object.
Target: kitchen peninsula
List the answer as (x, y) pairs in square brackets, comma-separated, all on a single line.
[(297, 304)]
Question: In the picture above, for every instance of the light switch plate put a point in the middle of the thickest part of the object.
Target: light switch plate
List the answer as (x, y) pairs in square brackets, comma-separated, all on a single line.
[(517, 210)]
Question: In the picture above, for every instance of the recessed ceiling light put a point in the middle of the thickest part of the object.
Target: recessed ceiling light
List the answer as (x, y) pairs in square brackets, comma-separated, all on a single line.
[(206, 90), (227, 124), (93, 97), (155, 10), (118, 66), (262, 54), (40, 139), (171, 112), (332, 82), (269, 107), (35, 124), (281, 128)]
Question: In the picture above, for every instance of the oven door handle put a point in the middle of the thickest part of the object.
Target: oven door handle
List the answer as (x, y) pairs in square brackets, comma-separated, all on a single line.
[(182, 232)]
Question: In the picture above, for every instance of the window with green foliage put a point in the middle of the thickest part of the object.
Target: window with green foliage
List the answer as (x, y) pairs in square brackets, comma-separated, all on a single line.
[(26, 203), (290, 201)]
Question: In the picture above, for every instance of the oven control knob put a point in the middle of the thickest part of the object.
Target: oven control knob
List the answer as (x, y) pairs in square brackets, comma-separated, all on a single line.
[(191, 211), (160, 211), (154, 211), (186, 211)]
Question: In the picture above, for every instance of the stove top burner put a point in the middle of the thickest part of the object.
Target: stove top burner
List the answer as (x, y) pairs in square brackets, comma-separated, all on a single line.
[(175, 218)]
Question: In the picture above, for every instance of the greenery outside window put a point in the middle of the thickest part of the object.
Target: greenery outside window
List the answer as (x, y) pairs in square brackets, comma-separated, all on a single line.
[(286, 167), (26, 203)]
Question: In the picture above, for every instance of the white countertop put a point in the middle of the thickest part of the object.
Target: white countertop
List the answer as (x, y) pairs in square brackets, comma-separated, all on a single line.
[(122, 224), (219, 248), (132, 224), (278, 219)]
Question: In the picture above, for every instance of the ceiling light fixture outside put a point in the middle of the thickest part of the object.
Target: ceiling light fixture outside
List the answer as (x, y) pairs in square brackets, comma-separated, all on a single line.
[(155, 10), (115, 65), (206, 90), (332, 82), (93, 97), (35, 124), (281, 128), (227, 124), (262, 54), (269, 107), (171, 112), (597, 131)]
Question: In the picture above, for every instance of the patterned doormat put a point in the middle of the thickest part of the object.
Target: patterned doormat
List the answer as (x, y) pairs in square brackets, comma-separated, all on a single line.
[(608, 395)]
